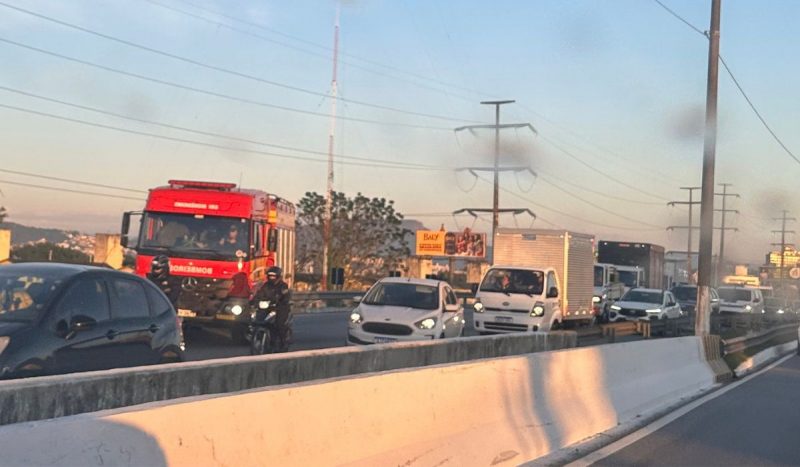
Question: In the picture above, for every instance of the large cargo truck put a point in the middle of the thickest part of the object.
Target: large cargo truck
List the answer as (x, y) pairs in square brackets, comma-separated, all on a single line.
[(646, 256)]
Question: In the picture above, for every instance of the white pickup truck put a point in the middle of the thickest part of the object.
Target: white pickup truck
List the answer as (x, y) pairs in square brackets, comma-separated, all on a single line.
[(540, 280)]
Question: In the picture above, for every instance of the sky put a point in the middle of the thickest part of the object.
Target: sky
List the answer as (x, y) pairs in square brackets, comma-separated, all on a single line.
[(615, 91)]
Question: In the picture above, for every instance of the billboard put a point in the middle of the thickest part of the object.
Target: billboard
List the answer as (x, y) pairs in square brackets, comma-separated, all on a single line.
[(791, 257), (466, 244)]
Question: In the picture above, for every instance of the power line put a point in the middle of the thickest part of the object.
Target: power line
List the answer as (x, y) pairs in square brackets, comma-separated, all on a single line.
[(737, 84), (595, 169), (596, 192), (565, 214), (217, 68), (755, 110), (300, 49), (67, 180), (323, 47), (207, 92), (201, 143), (597, 206), (206, 133), (68, 190)]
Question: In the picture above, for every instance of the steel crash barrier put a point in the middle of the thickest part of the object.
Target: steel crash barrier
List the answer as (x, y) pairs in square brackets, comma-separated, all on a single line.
[(340, 300), (776, 334)]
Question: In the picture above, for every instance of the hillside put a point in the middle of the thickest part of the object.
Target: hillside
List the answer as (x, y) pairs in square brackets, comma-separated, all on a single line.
[(22, 234)]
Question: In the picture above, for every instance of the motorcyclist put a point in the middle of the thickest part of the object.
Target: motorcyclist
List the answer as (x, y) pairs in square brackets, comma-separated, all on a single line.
[(160, 276), (276, 291)]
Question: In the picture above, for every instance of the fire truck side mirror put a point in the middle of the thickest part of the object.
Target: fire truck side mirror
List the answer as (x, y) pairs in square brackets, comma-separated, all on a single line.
[(272, 240), (126, 227)]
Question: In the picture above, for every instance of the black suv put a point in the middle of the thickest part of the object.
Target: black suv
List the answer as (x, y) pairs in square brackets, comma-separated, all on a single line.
[(58, 318)]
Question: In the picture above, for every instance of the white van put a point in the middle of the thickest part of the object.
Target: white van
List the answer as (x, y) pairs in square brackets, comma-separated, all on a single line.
[(735, 299)]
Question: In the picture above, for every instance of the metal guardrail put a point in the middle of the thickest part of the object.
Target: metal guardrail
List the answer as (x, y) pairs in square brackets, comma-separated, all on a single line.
[(340, 299), (740, 344)]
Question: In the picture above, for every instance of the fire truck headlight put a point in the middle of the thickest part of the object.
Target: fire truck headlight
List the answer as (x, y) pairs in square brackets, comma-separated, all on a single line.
[(237, 310)]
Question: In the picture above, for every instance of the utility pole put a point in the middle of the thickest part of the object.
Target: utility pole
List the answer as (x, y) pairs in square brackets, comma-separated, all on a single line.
[(702, 325), (782, 244), (326, 228), (724, 211), (496, 169), (690, 228)]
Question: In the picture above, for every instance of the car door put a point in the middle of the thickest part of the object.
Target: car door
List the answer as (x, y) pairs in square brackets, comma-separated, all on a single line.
[(91, 347), (130, 311), (453, 321), (671, 306)]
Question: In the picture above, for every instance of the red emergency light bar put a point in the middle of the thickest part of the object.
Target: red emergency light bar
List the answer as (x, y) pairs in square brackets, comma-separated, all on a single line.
[(202, 185)]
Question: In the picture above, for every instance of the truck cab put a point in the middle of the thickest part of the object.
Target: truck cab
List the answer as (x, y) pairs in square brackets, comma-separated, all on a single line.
[(631, 276), (518, 299), (607, 288)]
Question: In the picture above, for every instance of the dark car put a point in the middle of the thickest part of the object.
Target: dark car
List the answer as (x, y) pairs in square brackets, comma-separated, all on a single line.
[(686, 294), (58, 318)]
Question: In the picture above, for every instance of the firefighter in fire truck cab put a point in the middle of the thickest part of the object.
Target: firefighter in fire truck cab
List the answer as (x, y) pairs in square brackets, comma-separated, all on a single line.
[(276, 291)]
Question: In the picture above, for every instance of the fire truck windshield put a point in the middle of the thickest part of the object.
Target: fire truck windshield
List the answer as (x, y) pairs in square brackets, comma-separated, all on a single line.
[(190, 236)]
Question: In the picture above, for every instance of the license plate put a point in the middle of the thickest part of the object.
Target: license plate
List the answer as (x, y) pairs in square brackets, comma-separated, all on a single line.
[(227, 317), (384, 340), (186, 313), (504, 319)]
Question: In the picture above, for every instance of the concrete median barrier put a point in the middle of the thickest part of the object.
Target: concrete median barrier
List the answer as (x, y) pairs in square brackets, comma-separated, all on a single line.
[(500, 411), (58, 396)]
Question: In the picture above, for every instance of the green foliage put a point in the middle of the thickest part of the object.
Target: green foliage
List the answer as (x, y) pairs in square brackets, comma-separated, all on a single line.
[(42, 252), (367, 236)]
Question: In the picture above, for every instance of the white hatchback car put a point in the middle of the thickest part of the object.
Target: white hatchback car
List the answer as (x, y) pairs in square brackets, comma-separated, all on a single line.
[(403, 309), (645, 304)]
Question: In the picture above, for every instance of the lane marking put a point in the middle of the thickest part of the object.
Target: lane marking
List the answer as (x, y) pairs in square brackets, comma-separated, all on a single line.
[(621, 444)]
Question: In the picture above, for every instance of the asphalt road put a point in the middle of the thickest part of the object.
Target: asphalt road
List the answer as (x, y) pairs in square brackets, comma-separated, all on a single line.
[(755, 423), (311, 331)]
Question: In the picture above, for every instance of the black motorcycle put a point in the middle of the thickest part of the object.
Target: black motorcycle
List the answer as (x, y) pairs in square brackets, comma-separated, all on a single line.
[(263, 331)]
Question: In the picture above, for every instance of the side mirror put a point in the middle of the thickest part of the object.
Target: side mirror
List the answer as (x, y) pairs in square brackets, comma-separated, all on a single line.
[(82, 323), (126, 227), (473, 288), (272, 240), (552, 293), (452, 308)]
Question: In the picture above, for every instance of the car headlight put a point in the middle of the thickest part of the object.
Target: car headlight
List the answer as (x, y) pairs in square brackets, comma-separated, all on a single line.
[(427, 323), (237, 310), (355, 317), (4, 340), (616, 307), (654, 310), (780, 311), (538, 309), (596, 299), (478, 306), (263, 304), (748, 308)]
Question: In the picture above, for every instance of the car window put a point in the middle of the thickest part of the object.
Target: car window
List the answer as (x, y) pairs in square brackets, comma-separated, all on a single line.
[(86, 297), (130, 299), (551, 281), (158, 303), (450, 297)]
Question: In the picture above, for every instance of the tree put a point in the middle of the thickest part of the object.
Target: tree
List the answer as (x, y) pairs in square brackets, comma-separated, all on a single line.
[(47, 252), (367, 238)]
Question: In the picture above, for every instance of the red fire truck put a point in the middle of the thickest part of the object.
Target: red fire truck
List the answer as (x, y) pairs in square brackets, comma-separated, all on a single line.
[(215, 236)]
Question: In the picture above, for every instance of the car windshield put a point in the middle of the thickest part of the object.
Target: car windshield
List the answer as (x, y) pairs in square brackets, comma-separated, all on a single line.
[(598, 276), (419, 296), (735, 295), (629, 278), (194, 236), (643, 297), (24, 294), (513, 281), (685, 294)]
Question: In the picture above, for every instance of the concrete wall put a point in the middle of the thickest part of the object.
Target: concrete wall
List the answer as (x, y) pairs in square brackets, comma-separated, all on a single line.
[(57, 396), (108, 250), (487, 412), (5, 245)]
